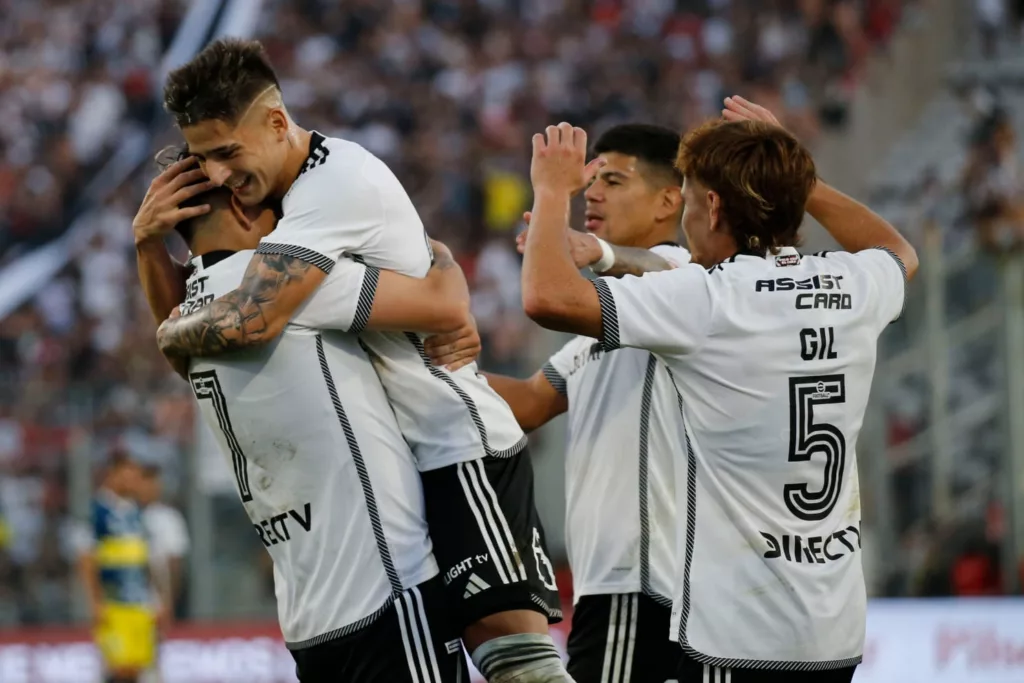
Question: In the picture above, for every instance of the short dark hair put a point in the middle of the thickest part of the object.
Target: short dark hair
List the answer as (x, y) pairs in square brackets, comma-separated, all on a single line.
[(762, 173), (654, 145), (219, 83)]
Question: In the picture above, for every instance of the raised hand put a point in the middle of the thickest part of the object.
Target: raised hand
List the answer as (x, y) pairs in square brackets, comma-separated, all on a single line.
[(740, 109), (160, 210), (559, 157)]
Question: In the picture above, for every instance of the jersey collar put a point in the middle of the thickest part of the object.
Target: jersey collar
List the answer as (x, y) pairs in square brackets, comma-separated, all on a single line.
[(787, 256), (785, 253), (210, 258)]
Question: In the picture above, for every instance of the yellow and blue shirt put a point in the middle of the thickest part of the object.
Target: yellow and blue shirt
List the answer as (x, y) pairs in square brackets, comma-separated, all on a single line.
[(120, 549)]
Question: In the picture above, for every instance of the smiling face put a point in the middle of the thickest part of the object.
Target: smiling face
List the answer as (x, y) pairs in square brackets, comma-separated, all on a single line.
[(246, 158), (626, 203)]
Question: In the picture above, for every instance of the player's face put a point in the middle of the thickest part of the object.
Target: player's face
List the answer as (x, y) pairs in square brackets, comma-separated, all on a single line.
[(149, 488), (621, 203), (697, 220), (246, 158), (127, 480)]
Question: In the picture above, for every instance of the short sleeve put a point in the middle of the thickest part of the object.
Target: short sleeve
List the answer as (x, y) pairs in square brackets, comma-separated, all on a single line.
[(673, 253), (344, 299), (559, 366), (668, 312), (886, 271), (327, 213), (176, 540)]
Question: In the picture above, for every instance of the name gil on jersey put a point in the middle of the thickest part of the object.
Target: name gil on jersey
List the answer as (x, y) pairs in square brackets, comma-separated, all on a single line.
[(813, 549), (274, 530), (835, 301)]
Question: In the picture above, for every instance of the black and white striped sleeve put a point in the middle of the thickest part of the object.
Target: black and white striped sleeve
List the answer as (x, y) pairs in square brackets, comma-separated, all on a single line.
[(888, 273), (669, 311), (344, 299), (310, 256), (609, 315), (326, 214), (559, 367)]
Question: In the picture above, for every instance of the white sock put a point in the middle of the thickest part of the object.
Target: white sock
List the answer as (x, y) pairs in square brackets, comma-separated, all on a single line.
[(521, 658)]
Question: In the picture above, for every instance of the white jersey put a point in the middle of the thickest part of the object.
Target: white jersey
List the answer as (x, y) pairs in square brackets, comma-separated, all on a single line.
[(167, 538), (623, 434), (772, 359), (347, 202), (319, 463)]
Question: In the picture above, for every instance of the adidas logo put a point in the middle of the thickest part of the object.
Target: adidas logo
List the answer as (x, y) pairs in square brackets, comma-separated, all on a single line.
[(474, 585)]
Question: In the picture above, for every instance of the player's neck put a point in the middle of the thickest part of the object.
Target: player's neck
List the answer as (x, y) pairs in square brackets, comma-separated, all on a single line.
[(225, 239), (666, 234), (659, 234), (298, 140)]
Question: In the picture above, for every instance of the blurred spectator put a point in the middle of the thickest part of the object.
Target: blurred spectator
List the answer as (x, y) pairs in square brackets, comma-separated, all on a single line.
[(992, 185), (73, 75), (991, 16)]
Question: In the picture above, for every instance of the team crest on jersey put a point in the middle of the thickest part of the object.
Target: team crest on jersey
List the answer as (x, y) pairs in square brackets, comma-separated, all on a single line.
[(821, 392), (787, 260)]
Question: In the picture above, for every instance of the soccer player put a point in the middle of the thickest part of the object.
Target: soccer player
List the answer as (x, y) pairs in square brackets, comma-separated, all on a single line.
[(318, 459), (771, 354), (623, 432), (337, 199), (113, 568)]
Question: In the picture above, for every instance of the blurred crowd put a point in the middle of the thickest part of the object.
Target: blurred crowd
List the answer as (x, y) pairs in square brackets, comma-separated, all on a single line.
[(982, 210), (446, 91), (74, 74)]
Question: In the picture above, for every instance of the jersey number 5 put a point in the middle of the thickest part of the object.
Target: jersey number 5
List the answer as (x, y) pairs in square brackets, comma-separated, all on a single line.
[(807, 437), (206, 387)]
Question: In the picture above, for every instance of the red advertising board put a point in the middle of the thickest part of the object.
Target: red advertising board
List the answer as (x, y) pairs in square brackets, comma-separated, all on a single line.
[(954, 641)]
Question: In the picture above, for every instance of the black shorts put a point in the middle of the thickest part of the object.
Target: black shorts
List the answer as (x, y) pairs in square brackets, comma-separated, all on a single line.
[(622, 638), (488, 539), (692, 670), (413, 641)]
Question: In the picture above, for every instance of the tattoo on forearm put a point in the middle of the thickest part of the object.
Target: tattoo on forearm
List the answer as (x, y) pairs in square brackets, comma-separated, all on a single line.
[(635, 261), (236, 320)]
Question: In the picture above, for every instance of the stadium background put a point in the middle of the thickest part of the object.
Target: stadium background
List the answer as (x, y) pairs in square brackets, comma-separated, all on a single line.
[(913, 105)]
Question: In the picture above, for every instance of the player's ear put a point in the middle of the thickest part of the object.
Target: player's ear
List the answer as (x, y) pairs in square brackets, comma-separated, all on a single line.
[(671, 201), (278, 120), (714, 204), (245, 215)]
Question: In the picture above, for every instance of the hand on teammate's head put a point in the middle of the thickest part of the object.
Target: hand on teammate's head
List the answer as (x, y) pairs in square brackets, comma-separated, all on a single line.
[(161, 208), (740, 109), (559, 160)]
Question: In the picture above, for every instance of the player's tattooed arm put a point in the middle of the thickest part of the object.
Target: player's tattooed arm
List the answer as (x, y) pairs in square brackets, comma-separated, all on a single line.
[(586, 252), (255, 313), (438, 303), (634, 261)]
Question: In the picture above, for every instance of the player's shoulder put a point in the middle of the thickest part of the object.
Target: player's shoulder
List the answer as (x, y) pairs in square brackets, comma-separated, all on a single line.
[(674, 253), (335, 172), (864, 261)]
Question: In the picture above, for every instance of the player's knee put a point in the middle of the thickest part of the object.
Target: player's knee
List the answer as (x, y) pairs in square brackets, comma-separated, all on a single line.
[(509, 623)]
